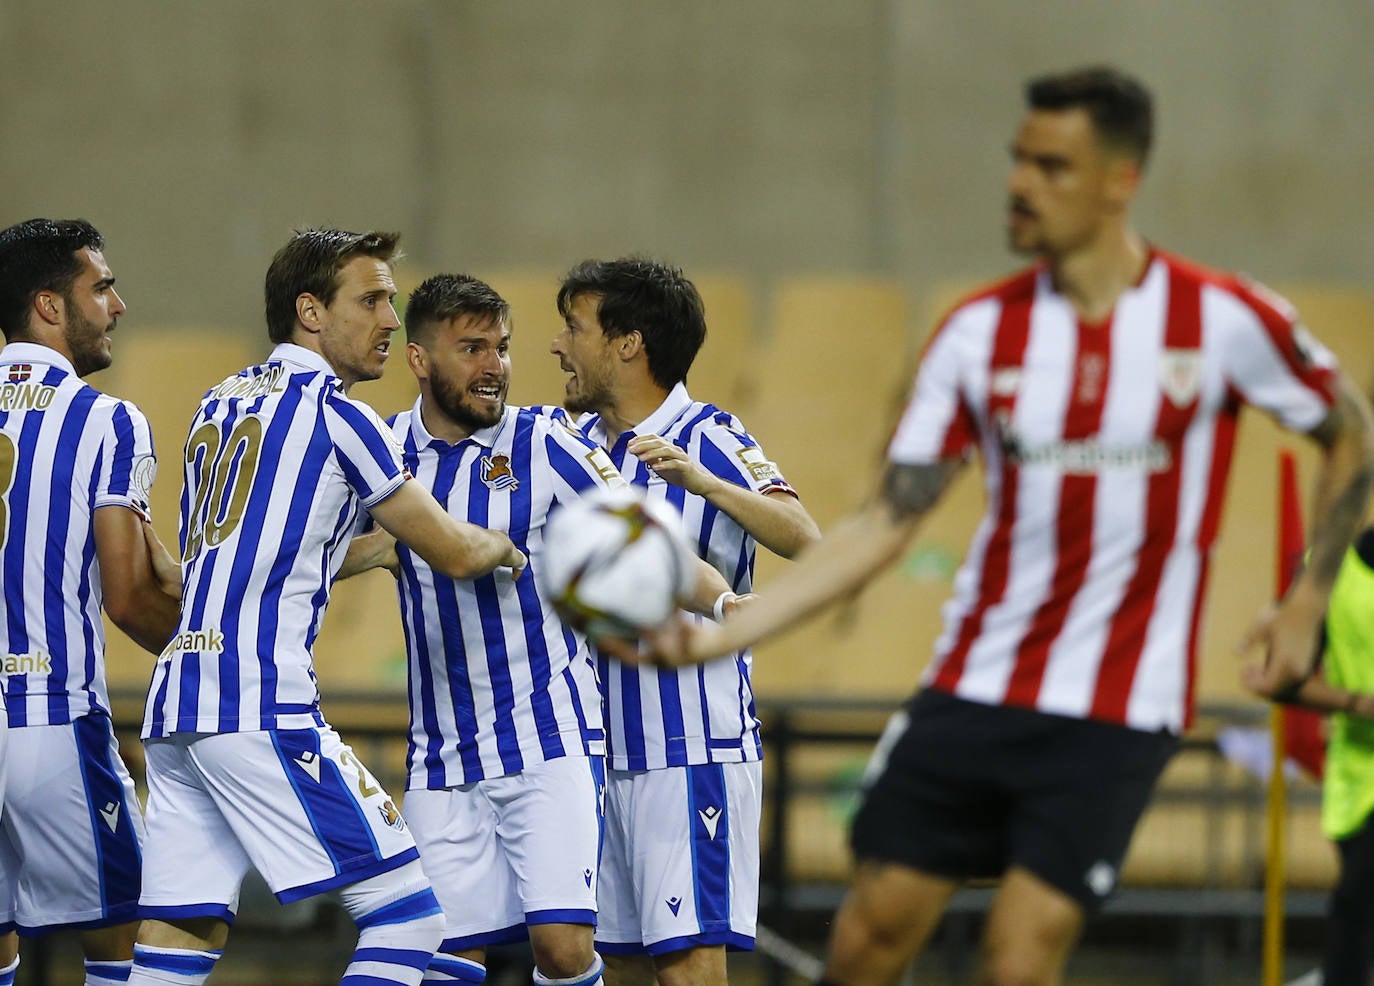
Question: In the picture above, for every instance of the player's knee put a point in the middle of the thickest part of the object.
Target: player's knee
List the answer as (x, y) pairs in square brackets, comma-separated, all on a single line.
[(574, 972), (1019, 966), (397, 904), (563, 951)]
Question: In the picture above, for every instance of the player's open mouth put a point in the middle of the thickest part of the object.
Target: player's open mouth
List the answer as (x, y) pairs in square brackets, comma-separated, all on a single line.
[(486, 393), (384, 348)]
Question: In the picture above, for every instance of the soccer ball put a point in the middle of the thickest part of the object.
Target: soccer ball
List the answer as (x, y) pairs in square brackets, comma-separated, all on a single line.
[(615, 563)]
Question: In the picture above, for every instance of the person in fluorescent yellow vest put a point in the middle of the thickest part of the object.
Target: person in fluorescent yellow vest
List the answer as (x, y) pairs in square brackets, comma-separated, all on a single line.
[(1345, 689)]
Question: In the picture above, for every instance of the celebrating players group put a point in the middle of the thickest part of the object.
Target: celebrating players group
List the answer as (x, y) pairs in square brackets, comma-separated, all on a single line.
[(605, 809)]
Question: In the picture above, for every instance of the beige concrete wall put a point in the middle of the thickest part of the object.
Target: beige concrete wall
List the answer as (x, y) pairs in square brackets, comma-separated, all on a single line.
[(757, 138)]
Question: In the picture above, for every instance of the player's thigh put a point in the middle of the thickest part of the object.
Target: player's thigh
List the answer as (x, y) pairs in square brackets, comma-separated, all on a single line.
[(549, 830), (1030, 930), (693, 848), (309, 815), (455, 830), (75, 824), (193, 863)]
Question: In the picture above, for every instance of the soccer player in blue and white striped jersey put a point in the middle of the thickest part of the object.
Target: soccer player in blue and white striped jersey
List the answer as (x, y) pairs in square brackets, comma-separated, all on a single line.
[(75, 471), (242, 768), (505, 761), (679, 877)]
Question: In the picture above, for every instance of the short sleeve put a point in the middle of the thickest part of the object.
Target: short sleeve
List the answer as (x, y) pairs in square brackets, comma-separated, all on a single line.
[(729, 452), (936, 423), (128, 463), (365, 448), (1271, 360)]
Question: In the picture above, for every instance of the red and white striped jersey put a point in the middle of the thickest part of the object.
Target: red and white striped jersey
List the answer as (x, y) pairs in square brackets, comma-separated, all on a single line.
[(1105, 449)]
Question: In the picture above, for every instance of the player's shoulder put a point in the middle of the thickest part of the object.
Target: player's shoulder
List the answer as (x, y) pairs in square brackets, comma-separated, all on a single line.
[(1012, 289), (1017, 286), (1253, 296), (549, 421)]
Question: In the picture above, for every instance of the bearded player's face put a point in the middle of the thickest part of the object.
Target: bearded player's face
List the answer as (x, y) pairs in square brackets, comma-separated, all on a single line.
[(467, 365)]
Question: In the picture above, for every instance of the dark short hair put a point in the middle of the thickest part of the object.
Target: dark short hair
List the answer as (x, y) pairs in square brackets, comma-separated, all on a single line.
[(1120, 107), (309, 263), (644, 296), (39, 255), (448, 296)]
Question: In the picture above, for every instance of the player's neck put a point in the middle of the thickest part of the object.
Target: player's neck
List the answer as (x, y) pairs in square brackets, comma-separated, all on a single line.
[(1093, 277), (633, 403), (440, 425)]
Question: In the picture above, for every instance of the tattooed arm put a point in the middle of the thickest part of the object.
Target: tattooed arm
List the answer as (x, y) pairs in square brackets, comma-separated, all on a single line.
[(849, 556), (1289, 631)]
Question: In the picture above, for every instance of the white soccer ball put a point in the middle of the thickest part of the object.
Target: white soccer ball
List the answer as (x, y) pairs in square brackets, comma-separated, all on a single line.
[(616, 564)]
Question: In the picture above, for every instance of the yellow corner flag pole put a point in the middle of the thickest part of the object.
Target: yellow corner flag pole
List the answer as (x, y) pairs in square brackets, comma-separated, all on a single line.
[(1290, 547)]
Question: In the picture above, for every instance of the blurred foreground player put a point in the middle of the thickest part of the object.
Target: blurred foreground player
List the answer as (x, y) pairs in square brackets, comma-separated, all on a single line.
[(242, 768), (680, 864), (1101, 388), (76, 467)]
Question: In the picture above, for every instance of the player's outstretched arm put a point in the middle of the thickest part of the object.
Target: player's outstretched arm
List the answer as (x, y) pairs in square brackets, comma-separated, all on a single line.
[(850, 555), (778, 521), (453, 547), (1290, 631), (135, 598)]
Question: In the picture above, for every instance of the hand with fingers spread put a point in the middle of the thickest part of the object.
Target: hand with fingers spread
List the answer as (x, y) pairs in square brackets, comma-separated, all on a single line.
[(671, 463)]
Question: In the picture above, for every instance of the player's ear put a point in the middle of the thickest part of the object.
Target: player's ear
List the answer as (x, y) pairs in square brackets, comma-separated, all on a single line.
[(1123, 178), (309, 312), (630, 345), (418, 360), (49, 307)]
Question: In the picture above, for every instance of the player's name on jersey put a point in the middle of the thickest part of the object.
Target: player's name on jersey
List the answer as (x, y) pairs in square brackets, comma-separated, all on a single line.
[(249, 387), (35, 663), (208, 640), (26, 396)]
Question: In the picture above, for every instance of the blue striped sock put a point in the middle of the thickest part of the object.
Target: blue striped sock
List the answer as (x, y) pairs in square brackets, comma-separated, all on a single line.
[(108, 973), (171, 966), (591, 976), (7, 973), (445, 968), (396, 942)]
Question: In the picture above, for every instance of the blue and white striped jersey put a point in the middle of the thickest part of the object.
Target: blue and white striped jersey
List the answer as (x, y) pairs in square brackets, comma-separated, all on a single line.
[(279, 462), (65, 450), (703, 714), (498, 682)]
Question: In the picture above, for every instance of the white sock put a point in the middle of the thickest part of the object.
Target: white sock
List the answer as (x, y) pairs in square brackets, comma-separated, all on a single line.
[(171, 966), (591, 976), (107, 972), (396, 941)]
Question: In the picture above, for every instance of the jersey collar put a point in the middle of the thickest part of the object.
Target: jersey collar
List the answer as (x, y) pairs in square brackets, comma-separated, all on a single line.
[(289, 352), (33, 352), (656, 423), (486, 437)]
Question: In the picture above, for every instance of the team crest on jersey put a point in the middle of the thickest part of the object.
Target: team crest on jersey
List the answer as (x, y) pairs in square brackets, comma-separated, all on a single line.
[(497, 474), (1180, 375), (19, 372), (391, 816)]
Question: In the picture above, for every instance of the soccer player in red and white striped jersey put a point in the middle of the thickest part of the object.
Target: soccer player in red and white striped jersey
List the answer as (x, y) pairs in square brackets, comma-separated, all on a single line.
[(1101, 388)]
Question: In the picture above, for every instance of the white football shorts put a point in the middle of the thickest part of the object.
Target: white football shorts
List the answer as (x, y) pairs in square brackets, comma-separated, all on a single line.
[(508, 852), (296, 804), (680, 858), (71, 832)]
